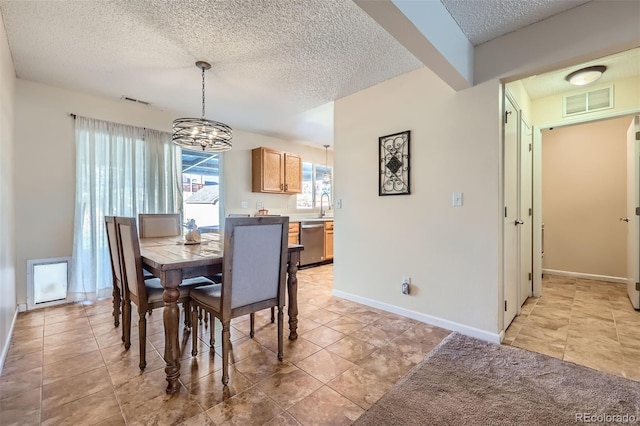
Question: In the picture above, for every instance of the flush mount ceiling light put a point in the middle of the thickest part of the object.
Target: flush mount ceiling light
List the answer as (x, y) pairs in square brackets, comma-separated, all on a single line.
[(586, 75), (199, 133)]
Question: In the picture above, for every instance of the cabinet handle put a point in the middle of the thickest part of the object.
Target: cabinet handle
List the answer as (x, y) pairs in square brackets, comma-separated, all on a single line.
[(281, 187), (286, 186)]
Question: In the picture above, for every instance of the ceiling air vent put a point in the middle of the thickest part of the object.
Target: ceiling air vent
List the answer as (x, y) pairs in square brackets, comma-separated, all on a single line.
[(138, 101), (595, 100)]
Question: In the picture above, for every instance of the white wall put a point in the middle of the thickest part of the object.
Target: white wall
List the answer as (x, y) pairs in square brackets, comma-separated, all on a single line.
[(7, 219), (45, 165), (450, 253)]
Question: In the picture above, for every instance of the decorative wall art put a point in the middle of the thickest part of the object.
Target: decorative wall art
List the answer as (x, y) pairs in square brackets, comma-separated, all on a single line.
[(393, 161)]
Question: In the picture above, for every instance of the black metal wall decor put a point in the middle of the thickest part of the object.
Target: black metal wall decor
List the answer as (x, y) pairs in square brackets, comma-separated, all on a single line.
[(393, 161)]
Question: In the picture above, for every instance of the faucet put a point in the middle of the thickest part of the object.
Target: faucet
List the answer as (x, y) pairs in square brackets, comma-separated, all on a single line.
[(322, 212)]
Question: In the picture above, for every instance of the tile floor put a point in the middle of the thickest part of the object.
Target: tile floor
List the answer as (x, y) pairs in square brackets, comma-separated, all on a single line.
[(67, 366), (586, 322)]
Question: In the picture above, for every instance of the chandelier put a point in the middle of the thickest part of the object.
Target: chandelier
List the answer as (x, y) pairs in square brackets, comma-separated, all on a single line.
[(200, 133)]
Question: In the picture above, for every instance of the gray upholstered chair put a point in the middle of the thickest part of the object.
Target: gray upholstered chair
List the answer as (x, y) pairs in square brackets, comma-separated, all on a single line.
[(253, 278), (159, 225), (146, 294)]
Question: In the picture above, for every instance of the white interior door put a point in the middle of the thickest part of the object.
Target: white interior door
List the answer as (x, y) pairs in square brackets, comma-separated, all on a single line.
[(526, 234), (510, 246), (633, 202)]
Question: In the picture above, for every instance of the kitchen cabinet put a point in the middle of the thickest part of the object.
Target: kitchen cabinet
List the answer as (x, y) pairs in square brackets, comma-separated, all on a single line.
[(294, 232), (328, 240), (275, 171)]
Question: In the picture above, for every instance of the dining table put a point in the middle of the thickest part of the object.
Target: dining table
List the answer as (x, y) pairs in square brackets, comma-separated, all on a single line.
[(171, 259)]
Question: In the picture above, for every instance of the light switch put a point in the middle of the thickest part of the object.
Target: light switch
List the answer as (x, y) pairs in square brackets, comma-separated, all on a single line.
[(339, 203), (457, 199)]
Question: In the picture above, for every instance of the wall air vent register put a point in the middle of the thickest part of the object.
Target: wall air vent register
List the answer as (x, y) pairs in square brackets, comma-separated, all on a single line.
[(584, 102)]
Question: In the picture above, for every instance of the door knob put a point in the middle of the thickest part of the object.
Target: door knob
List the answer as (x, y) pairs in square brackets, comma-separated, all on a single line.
[(624, 219), (519, 222)]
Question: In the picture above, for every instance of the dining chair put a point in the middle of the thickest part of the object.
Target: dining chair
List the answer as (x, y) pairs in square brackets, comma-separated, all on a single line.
[(159, 225), (253, 278), (116, 269), (146, 294)]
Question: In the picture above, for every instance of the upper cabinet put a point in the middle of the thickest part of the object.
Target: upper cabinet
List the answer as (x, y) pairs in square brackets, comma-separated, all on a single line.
[(276, 171)]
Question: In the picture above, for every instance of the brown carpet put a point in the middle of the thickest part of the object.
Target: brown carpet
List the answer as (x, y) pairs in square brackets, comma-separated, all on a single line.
[(466, 381)]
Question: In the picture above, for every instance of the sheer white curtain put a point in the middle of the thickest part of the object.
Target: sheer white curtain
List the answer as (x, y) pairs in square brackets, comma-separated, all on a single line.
[(120, 171)]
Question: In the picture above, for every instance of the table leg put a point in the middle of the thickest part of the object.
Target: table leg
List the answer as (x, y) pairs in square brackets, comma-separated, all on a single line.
[(171, 317), (292, 288)]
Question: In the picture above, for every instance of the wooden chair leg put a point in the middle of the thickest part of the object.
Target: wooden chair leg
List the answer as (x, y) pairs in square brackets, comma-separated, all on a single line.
[(212, 335), (194, 330), (200, 315), (186, 307), (252, 320), (226, 346), (280, 333), (273, 315), (142, 326), (126, 324), (116, 306)]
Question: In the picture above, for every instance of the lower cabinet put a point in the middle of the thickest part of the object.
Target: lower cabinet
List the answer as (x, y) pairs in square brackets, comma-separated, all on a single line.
[(328, 240), (294, 232)]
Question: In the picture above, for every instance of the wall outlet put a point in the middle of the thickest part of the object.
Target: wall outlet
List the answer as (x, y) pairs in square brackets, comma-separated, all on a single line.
[(406, 281), (244, 205), (260, 205), (339, 203)]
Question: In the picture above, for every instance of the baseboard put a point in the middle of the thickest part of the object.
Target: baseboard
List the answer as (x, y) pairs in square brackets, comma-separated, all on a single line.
[(5, 351), (585, 276), (428, 319)]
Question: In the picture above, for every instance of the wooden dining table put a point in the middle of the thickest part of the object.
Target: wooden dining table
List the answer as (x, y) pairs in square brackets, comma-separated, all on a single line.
[(171, 260)]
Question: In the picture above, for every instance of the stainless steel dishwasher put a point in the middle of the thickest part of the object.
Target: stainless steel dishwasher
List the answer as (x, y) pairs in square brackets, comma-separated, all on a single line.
[(312, 238)]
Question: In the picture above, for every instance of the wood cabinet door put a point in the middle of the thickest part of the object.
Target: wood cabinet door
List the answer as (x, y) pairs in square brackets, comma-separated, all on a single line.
[(293, 174), (328, 245), (272, 171), (294, 233)]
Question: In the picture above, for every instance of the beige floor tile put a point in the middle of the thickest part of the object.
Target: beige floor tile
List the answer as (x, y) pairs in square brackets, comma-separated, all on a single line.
[(163, 410), (386, 363), (360, 386), (325, 365), (63, 391), (20, 382), (20, 363), (288, 386), (61, 353), (283, 419), (67, 338), (374, 336), (73, 324), (21, 409), (90, 409), (29, 319), (323, 336), (321, 316), (326, 407), (251, 407), (351, 348), (345, 325), (17, 349), (71, 366), (208, 391)]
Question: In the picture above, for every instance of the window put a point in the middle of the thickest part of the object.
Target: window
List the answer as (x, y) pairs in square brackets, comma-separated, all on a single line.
[(201, 189), (316, 180)]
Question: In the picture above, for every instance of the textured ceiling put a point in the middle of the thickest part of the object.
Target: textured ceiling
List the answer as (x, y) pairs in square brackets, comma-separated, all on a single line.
[(484, 20), (277, 64)]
